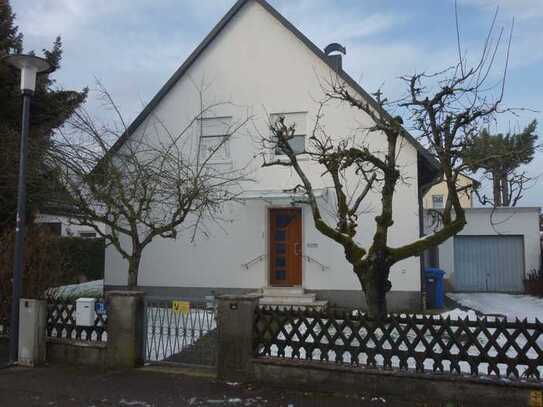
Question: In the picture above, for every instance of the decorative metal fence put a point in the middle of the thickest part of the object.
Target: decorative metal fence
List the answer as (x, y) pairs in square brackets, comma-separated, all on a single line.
[(61, 323), (180, 332), (423, 343)]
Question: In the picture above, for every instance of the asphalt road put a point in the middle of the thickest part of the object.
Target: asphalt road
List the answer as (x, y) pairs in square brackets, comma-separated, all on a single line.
[(78, 386), (4, 352)]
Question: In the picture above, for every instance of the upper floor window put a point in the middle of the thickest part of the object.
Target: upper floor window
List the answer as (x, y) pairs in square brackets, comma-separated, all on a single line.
[(437, 202), (214, 139), (299, 119)]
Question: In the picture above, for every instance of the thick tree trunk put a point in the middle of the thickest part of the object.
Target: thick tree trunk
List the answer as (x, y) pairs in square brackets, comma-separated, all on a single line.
[(375, 285), (133, 269), (505, 191), (496, 189)]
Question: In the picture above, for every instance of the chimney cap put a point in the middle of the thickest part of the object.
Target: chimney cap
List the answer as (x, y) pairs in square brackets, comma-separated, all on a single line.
[(333, 47)]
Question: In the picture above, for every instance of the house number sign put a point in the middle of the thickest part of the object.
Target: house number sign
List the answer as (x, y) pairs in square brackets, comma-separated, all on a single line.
[(181, 307), (100, 308)]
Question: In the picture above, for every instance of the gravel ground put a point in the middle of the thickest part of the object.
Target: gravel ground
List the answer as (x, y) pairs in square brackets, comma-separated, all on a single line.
[(77, 386)]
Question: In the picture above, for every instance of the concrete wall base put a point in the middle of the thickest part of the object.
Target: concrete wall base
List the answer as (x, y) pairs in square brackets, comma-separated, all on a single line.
[(417, 388), (70, 352), (398, 301)]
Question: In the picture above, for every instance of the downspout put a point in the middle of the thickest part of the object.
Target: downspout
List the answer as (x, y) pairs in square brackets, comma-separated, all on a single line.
[(421, 234), (423, 186)]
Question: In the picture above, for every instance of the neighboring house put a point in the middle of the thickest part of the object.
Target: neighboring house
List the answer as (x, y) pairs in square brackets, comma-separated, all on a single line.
[(494, 252), (263, 64), (59, 219), (436, 196), (63, 225)]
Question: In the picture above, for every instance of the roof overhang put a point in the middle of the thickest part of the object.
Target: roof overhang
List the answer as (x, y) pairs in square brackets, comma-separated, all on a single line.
[(278, 195)]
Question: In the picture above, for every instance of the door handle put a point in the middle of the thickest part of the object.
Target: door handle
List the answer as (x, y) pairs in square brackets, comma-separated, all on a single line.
[(298, 249)]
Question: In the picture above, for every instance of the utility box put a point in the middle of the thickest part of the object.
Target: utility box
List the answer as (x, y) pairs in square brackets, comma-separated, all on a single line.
[(32, 323), (85, 314)]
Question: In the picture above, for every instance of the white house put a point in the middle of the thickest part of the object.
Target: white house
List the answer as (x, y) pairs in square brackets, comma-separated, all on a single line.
[(258, 60), (65, 225)]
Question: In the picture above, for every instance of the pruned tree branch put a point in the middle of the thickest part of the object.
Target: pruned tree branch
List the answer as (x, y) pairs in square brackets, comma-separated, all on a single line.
[(446, 109), (149, 187)]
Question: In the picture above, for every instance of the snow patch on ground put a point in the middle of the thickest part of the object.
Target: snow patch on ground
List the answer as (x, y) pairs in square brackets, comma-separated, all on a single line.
[(458, 313), (510, 306), (235, 401), (135, 403)]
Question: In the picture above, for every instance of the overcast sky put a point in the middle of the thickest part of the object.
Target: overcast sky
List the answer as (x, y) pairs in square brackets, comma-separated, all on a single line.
[(134, 46)]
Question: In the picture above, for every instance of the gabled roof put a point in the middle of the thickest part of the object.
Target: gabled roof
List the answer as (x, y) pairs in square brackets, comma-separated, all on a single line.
[(429, 160)]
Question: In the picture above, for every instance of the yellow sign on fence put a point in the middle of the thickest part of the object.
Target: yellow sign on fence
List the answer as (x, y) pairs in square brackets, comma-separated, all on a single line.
[(181, 307)]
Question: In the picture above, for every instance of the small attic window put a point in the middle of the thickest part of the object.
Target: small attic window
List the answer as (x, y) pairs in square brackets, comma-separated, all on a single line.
[(437, 202), (214, 139), (299, 119)]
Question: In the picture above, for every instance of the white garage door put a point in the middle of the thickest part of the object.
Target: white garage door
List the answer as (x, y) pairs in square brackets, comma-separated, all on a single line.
[(489, 263)]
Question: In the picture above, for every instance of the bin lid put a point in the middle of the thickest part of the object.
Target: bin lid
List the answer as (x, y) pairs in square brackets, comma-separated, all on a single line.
[(86, 300), (434, 272)]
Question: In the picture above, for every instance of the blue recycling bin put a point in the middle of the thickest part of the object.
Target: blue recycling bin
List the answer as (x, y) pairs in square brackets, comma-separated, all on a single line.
[(435, 291)]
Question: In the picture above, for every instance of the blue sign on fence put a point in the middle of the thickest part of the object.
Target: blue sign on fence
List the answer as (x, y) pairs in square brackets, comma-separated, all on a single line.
[(100, 308)]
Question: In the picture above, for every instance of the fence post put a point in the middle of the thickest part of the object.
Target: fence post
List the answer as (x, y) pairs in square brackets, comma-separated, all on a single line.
[(235, 316), (124, 328), (32, 325)]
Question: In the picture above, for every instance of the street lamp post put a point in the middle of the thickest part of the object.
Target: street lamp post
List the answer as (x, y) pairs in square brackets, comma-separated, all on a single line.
[(30, 66)]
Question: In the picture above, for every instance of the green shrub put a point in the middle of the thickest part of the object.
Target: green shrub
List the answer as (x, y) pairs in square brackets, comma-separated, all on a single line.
[(83, 257)]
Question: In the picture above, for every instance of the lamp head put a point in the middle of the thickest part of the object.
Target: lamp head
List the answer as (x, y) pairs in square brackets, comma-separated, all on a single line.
[(30, 66)]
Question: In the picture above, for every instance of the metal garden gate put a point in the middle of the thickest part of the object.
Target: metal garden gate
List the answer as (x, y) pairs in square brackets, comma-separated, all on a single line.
[(180, 332), (489, 263)]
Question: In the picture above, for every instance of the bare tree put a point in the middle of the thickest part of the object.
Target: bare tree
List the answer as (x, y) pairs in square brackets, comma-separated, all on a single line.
[(445, 108), (154, 184)]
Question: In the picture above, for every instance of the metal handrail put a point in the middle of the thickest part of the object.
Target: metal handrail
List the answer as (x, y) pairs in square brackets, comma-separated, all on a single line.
[(253, 261), (258, 259), (311, 259)]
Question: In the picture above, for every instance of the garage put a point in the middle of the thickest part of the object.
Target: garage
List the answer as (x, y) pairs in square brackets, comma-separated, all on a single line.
[(489, 263)]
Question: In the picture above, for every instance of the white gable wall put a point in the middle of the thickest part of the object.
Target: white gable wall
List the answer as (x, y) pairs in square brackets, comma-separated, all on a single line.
[(262, 67)]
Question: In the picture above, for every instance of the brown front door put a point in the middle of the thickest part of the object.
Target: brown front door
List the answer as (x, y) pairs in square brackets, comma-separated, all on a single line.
[(286, 246)]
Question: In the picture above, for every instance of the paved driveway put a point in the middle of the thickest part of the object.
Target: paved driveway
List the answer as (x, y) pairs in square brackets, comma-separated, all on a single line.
[(510, 305)]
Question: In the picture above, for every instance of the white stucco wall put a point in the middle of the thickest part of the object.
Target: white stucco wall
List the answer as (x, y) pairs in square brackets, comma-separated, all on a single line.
[(504, 221), (263, 68)]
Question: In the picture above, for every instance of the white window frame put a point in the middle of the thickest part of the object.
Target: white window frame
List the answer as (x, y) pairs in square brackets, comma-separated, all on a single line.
[(303, 133), (434, 201), (219, 157)]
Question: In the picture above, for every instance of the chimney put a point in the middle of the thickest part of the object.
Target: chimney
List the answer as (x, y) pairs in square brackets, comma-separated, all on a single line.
[(336, 58)]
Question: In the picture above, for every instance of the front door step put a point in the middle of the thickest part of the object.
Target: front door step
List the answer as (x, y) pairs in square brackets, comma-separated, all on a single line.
[(282, 291), (290, 297)]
